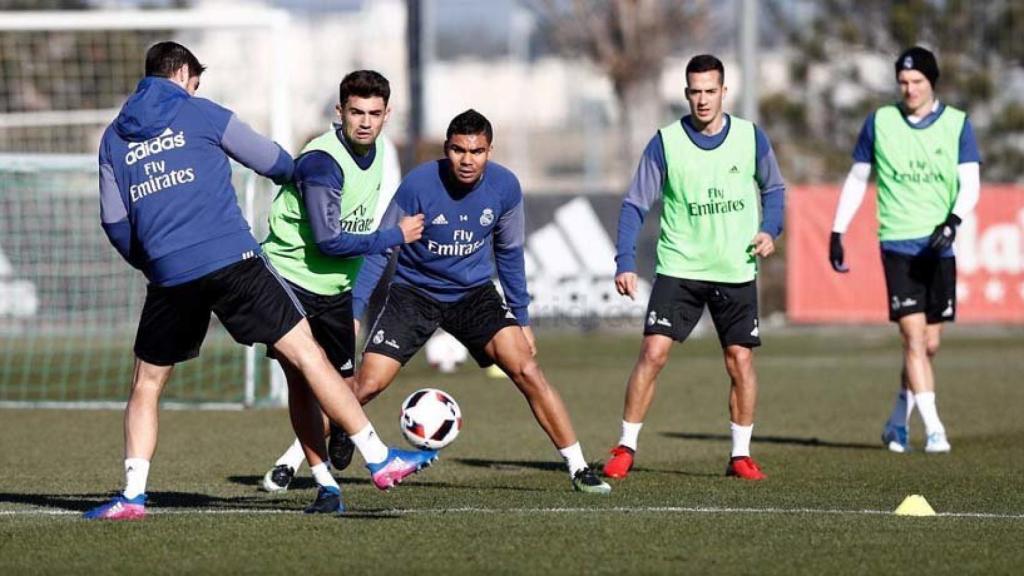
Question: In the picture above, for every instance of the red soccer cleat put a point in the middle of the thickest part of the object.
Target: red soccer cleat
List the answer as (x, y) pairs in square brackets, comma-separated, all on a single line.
[(744, 467), (621, 462)]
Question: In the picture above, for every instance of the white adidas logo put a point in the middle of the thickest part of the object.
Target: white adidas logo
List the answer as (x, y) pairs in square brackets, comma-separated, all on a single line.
[(439, 220), (570, 268), (347, 365)]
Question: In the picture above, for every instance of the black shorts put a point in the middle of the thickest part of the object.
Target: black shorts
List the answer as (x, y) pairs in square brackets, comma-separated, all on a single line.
[(920, 284), (409, 318), (252, 302), (330, 318), (676, 306)]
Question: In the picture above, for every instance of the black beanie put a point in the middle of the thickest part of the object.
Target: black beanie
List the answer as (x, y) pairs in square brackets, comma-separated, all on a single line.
[(919, 59)]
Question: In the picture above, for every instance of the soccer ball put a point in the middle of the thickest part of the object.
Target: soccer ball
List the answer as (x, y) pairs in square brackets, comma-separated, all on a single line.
[(430, 419)]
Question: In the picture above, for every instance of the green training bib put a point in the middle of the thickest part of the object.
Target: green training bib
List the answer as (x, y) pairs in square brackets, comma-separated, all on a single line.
[(710, 213), (916, 172), (290, 245)]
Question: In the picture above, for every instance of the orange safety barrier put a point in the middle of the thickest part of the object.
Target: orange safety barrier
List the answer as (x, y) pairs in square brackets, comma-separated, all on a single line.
[(989, 250)]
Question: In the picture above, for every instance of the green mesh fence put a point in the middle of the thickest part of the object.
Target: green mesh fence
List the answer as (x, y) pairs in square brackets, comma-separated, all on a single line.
[(69, 305)]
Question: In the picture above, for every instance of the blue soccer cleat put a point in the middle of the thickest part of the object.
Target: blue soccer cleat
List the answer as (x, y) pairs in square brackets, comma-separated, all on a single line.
[(119, 508), (398, 465), (895, 438), (328, 501)]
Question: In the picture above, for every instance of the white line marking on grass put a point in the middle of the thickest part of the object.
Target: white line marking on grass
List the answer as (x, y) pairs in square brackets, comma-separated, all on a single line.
[(564, 510)]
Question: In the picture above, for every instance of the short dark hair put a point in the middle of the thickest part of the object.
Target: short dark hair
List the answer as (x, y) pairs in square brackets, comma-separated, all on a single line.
[(470, 122), (364, 84), (165, 58), (705, 63)]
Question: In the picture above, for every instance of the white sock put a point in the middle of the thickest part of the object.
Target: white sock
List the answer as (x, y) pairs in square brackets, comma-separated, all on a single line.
[(929, 413), (573, 456), (902, 408), (136, 472), (293, 456), (630, 434), (369, 445), (741, 439), (322, 475)]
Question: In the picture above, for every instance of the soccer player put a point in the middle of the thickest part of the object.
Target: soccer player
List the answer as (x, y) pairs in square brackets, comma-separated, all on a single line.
[(928, 170), (320, 227), (705, 168), (474, 211), (278, 478), (168, 207)]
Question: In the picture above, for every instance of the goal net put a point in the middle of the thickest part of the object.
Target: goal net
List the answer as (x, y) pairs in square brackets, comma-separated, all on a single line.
[(69, 306)]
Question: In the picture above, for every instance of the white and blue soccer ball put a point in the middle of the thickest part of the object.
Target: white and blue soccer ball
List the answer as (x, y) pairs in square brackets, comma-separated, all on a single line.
[(431, 419)]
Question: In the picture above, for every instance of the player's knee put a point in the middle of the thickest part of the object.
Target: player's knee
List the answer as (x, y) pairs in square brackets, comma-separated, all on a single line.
[(146, 386), (738, 359), (914, 343), (527, 375), (522, 371), (368, 386), (654, 356), (932, 348)]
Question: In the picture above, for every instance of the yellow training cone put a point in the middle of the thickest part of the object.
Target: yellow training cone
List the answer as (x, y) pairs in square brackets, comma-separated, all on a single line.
[(494, 372), (914, 505)]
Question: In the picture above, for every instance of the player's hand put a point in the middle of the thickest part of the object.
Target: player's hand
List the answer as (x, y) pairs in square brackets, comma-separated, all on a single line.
[(412, 228), (836, 255), (944, 234), (625, 284), (528, 333), (763, 244)]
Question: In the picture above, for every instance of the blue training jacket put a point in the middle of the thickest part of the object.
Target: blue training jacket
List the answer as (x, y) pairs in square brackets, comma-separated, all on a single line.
[(467, 236), (166, 199)]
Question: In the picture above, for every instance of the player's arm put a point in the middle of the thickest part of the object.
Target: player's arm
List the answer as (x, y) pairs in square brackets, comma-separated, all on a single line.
[(114, 215), (320, 182), (644, 191), (374, 265), (852, 194), (968, 173), (248, 147), (510, 261), (773, 195)]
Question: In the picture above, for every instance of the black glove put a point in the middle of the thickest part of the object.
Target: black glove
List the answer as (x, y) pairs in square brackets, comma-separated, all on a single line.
[(944, 234), (836, 254)]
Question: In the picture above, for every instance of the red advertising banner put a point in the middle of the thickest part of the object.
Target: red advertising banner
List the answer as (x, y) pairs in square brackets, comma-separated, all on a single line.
[(989, 252)]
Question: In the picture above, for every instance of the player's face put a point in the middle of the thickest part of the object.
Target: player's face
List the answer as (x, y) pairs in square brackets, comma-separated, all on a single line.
[(915, 89), (362, 119), (468, 154), (705, 92)]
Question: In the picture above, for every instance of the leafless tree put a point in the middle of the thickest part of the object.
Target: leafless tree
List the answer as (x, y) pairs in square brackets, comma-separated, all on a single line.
[(628, 40)]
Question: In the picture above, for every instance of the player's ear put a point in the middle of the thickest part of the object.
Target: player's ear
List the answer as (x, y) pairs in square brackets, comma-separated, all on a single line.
[(387, 113), (340, 110)]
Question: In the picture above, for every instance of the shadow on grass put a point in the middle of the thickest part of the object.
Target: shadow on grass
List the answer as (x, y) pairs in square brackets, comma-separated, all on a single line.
[(510, 464), (307, 483), (298, 483), (787, 440), (83, 502), (532, 464)]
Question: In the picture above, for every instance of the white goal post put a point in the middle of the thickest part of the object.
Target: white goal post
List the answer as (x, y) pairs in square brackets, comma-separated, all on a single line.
[(67, 305)]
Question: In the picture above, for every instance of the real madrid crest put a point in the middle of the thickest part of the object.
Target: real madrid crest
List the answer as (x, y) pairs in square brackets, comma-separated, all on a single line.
[(487, 218)]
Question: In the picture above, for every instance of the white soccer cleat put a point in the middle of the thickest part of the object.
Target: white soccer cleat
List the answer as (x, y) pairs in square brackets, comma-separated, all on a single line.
[(278, 478), (937, 443)]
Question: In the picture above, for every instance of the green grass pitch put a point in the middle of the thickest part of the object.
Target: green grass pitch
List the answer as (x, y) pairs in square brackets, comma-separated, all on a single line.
[(499, 502)]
